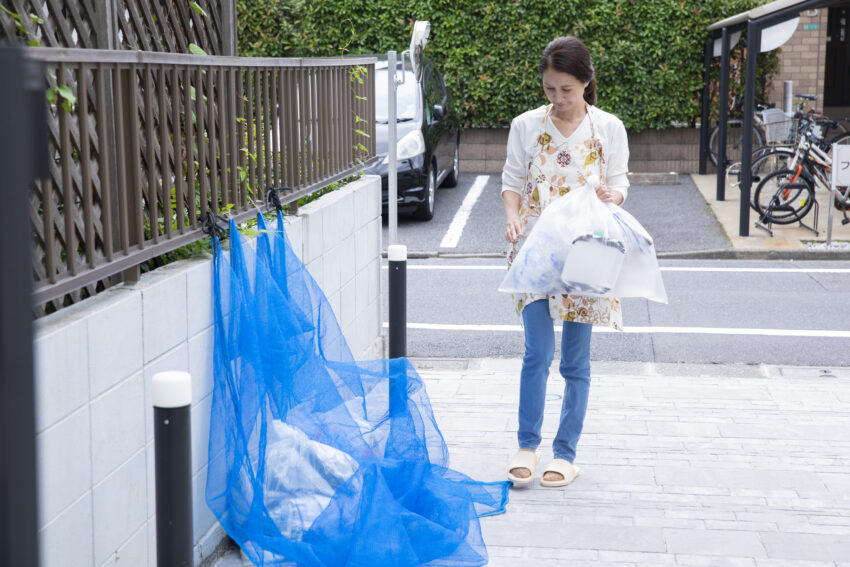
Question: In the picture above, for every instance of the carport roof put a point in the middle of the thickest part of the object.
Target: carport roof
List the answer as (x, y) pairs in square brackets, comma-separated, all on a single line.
[(771, 8)]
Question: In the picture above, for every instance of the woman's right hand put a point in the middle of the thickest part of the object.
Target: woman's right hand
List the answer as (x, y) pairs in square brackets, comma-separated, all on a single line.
[(515, 228)]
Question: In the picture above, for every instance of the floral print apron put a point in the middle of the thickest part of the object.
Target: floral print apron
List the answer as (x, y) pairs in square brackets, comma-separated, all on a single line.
[(557, 166)]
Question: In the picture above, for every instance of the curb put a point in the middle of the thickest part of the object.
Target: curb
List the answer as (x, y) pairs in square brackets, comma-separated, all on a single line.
[(717, 254), (668, 178), (751, 254)]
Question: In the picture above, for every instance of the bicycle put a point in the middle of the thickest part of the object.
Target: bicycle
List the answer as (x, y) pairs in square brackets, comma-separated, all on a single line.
[(772, 128), (787, 195), (735, 134), (774, 156)]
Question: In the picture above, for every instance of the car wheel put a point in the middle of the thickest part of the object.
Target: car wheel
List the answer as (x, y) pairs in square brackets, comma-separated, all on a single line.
[(425, 211), (454, 175)]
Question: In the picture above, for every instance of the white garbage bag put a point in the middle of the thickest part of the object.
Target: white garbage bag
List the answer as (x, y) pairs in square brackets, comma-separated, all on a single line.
[(582, 246)]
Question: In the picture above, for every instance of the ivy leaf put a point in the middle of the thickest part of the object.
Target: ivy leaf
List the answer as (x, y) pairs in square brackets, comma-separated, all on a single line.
[(68, 98), (198, 9), (196, 49)]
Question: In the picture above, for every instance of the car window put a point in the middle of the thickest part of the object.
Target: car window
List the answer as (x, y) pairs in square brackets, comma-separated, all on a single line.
[(405, 97), (440, 87), (433, 93)]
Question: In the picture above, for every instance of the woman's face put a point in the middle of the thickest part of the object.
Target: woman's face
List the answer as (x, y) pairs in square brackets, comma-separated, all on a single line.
[(563, 90)]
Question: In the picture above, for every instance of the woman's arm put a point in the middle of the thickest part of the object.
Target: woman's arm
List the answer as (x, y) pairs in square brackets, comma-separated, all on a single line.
[(616, 187), (513, 178), (515, 228)]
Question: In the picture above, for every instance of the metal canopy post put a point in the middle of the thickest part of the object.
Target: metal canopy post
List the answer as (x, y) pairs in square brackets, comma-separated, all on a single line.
[(706, 103), (753, 48), (723, 115), (23, 156)]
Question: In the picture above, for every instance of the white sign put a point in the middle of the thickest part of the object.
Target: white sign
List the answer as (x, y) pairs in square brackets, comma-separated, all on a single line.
[(840, 165)]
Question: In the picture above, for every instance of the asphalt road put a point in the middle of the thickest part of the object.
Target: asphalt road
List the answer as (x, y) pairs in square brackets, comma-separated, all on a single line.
[(719, 311)]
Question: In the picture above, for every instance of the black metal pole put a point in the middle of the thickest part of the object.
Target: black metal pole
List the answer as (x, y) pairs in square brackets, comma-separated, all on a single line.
[(753, 48), (23, 156), (172, 399), (706, 104), (723, 115), (397, 256)]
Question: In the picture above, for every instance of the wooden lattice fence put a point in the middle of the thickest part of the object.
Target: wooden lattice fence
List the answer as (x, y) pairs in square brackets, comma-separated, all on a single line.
[(146, 25), (155, 141)]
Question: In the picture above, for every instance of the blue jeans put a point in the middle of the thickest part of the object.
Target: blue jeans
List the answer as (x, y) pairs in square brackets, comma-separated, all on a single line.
[(574, 367)]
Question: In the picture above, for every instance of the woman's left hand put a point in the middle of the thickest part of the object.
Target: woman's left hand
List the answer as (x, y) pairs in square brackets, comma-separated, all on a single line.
[(609, 195)]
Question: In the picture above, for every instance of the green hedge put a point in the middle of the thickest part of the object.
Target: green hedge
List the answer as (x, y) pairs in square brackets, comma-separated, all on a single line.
[(648, 55)]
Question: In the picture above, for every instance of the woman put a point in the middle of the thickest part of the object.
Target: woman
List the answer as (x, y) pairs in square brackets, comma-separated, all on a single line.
[(568, 145)]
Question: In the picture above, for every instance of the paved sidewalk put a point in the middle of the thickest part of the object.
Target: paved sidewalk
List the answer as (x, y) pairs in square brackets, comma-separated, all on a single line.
[(681, 465), (786, 238)]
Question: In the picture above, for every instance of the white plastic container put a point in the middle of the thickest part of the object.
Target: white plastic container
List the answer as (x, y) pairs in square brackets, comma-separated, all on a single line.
[(593, 264)]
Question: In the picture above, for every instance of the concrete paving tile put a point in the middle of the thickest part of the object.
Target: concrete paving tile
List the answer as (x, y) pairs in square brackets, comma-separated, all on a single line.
[(808, 547), (556, 553), (734, 543), (578, 536), (637, 558), (670, 523), (836, 483), (793, 563), (682, 429), (714, 561), (738, 524), (738, 478)]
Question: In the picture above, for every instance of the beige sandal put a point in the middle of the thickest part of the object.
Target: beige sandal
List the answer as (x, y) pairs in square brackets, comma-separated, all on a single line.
[(523, 459), (566, 469)]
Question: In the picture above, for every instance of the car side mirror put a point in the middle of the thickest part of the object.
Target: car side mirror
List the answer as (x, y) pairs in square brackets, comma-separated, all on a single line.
[(439, 112)]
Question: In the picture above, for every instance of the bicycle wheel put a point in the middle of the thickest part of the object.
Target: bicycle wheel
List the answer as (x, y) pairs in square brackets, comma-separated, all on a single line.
[(831, 127), (841, 139), (734, 140), (766, 160), (769, 159), (781, 200)]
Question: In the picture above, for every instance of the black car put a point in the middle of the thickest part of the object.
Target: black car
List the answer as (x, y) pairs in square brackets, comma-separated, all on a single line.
[(427, 134)]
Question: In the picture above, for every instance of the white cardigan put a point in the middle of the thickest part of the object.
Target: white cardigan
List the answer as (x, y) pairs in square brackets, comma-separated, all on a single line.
[(522, 142)]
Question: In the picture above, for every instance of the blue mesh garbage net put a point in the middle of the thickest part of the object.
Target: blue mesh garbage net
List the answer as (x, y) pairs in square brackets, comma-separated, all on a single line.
[(316, 459)]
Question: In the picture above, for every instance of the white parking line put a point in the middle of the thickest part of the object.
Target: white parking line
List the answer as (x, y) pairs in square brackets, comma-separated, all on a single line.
[(809, 333), (503, 267), (452, 236)]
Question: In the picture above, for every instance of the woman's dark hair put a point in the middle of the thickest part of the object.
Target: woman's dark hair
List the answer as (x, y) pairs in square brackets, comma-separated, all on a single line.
[(569, 55)]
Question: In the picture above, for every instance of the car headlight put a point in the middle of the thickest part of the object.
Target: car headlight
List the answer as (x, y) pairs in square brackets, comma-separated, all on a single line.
[(412, 144)]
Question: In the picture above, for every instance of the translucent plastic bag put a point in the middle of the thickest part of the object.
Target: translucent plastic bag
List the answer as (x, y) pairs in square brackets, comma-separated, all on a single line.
[(580, 245)]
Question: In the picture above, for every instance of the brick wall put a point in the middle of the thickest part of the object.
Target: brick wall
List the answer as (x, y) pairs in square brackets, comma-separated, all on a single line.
[(802, 59)]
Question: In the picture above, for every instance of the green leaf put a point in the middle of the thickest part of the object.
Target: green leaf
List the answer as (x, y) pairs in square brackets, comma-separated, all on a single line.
[(68, 98), (198, 9), (196, 49)]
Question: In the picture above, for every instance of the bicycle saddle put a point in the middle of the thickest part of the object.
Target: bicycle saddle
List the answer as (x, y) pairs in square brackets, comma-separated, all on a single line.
[(807, 96)]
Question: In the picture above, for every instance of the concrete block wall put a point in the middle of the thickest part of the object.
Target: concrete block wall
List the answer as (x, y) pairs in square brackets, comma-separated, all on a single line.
[(94, 362), (482, 150)]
